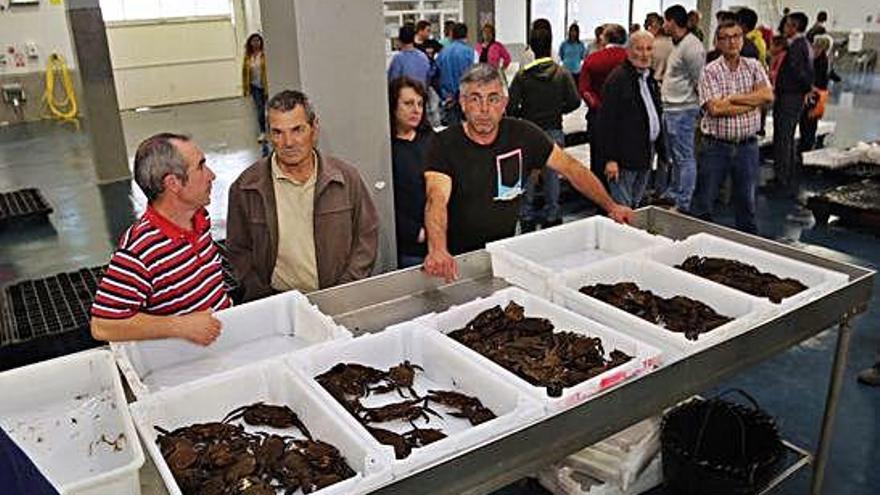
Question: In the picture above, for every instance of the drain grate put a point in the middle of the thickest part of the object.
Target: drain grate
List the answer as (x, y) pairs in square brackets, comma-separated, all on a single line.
[(24, 205)]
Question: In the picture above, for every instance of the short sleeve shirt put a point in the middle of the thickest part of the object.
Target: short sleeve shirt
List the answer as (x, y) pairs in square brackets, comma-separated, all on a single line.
[(160, 269), (719, 81), (487, 180)]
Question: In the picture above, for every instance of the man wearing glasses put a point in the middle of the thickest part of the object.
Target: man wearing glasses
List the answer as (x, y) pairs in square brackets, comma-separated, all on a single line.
[(476, 172), (732, 91)]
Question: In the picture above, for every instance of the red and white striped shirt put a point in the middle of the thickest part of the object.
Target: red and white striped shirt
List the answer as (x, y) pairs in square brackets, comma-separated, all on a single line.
[(162, 269)]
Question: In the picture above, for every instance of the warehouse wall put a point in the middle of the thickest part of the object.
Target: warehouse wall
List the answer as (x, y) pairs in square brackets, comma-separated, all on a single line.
[(46, 26), (155, 62), (161, 63)]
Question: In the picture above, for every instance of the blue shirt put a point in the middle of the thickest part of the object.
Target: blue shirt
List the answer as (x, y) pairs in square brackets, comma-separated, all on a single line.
[(452, 63), (572, 54), (411, 63)]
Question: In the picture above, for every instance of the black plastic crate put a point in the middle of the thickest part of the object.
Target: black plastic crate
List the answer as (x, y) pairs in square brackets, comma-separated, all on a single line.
[(23, 206)]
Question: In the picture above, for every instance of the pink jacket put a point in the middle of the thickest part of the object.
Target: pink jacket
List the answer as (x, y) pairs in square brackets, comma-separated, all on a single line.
[(497, 53)]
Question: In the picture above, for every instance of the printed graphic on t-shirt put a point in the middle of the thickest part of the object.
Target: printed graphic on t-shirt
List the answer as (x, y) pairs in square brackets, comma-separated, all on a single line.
[(509, 172)]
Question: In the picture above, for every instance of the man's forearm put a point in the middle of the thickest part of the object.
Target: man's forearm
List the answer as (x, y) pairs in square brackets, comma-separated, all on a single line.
[(753, 99), (726, 108), (435, 225), (139, 327)]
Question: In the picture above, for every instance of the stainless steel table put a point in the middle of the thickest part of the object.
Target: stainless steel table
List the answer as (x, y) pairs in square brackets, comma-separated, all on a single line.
[(372, 304)]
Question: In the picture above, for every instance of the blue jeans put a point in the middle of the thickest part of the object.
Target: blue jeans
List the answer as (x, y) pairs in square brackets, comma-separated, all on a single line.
[(681, 126), (258, 94), (408, 260), (551, 211), (742, 162), (629, 187)]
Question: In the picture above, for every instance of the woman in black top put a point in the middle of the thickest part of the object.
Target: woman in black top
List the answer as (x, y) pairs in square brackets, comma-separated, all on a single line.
[(410, 137), (814, 106)]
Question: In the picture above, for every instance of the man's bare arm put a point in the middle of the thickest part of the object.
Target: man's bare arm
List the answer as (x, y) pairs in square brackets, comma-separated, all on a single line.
[(587, 183), (438, 189), (201, 328), (760, 96)]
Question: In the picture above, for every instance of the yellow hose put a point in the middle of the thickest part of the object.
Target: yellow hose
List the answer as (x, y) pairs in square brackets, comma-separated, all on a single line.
[(64, 110)]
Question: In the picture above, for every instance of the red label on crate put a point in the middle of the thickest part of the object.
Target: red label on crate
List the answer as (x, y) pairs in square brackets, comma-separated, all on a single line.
[(610, 381)]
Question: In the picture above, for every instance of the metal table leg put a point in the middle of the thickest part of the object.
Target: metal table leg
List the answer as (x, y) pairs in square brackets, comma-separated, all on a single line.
[(840, 356)]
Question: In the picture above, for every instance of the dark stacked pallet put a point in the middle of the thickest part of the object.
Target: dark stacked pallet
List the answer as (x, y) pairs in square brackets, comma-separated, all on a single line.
[(23, 206), (857, 204), (49, 317)]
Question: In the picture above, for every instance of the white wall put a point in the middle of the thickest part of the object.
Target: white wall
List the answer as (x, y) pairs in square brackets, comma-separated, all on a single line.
[(162, 63), (510, 21), (44, 24)]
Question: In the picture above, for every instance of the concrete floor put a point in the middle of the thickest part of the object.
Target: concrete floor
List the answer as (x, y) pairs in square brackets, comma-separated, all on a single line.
[(88, 219)]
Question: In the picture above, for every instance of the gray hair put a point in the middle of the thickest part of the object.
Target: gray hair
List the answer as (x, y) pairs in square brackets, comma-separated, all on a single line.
[(823, 41), (288, 100), (157, 157), (641, 33), (481, 74)]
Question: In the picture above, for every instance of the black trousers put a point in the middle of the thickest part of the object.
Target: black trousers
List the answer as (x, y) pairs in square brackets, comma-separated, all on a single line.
[(786, 158)]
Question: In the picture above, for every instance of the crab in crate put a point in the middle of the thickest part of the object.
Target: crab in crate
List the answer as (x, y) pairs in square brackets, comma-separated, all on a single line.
[(260, 414), (531, 348), (408, 410), (467, 406), (223, 459), (398, 378)]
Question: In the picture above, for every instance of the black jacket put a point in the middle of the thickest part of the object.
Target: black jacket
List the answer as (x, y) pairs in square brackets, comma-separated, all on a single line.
[(796, 74), (542, 93), (408, 168), (623, 120)]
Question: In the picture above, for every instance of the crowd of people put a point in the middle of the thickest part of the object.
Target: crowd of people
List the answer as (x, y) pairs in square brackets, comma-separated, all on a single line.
[(469, 151)]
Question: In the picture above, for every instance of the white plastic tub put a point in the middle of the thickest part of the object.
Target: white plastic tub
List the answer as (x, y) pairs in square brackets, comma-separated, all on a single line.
[(70, 417), (251, 332), (531, 261), (210, 399), (663, 281), (444, 368), (645, 356), (819, 281)]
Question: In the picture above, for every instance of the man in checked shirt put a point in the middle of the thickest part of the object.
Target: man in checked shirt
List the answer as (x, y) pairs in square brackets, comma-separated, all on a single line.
[(732, 91)]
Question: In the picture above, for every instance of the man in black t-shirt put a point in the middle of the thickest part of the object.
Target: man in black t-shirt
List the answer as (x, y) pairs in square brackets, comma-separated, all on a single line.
[(476, 172)]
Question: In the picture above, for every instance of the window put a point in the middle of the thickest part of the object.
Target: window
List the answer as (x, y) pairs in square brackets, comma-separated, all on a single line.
[(136, 10)]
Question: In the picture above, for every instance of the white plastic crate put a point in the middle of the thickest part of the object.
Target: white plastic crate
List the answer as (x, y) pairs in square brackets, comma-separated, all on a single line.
[(210, 399), (445, 369), (532, 260), (251, 332), (819, 281), (645, 356), (70, 417), (663, 281)]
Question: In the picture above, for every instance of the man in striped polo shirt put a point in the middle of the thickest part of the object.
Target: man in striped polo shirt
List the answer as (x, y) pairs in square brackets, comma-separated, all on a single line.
[(732, 90), (165, 278)]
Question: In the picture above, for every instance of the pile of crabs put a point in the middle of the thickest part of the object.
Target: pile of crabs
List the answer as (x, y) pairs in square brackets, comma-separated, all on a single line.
[(223, 458), (351, 383), (530, 348)]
